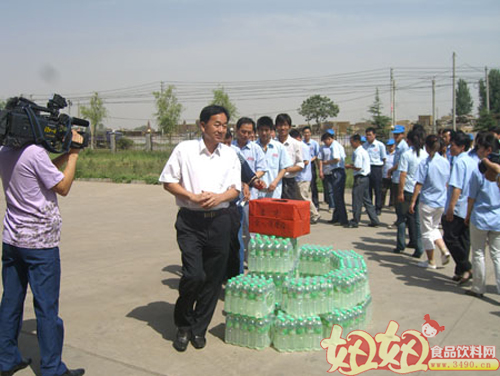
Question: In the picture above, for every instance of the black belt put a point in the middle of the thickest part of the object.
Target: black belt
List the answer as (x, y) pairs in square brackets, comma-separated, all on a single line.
[(377, 166), (203, 214), (360, 176)]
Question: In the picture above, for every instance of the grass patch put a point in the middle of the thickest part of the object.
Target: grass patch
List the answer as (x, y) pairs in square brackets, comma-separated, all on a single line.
[(122, 166)]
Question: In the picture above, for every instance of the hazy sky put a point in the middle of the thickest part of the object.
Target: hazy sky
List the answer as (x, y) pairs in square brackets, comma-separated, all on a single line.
[(76, 47)]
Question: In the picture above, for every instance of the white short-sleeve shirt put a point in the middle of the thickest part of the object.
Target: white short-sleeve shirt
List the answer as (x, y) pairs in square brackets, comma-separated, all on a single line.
[(197, 170)]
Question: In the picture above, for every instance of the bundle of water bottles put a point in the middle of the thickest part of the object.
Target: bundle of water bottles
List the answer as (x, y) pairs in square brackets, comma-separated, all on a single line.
[(271, 254), (292, 297)]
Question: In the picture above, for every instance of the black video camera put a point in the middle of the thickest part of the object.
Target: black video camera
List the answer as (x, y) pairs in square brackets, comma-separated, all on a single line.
[(493, 157), (23, 122)]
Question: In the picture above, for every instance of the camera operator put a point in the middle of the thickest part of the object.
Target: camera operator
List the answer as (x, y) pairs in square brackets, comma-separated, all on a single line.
[(30, 252)]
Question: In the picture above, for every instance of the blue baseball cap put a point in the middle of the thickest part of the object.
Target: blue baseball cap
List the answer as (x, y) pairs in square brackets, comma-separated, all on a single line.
[(398, 129), (363, 139), (331, 131), (390, 142)]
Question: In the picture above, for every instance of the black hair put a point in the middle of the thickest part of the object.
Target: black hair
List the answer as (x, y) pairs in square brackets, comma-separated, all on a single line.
[(446, 130), (294, 133), (212, 110), (283, 118), (434, 143), (326, 135), (416, 139), (495, 129), (461, 138), (371, 129), (306, 127), (245, 120), (228, 134), (356, 137), (487, 140), (265, 121), (420, 129)]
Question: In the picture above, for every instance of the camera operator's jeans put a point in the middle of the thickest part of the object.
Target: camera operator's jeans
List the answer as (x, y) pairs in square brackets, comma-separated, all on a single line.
[(41, 268)]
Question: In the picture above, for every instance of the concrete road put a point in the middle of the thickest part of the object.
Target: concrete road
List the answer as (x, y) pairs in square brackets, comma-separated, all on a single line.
[(121, 267)]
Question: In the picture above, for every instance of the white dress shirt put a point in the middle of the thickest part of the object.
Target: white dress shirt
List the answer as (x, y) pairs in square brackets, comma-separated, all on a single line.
[(196, 170), (294, 150)]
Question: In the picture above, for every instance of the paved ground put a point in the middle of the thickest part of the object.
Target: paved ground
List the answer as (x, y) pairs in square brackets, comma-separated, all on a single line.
[(121, 269)]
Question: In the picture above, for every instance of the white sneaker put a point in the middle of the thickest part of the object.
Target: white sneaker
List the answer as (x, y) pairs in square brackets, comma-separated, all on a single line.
[(445, 259), (426, 264)]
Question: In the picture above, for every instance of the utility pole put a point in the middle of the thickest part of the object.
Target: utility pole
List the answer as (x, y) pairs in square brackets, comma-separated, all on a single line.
[(487, 80), (434, 106), (391, 87), (454, 115)]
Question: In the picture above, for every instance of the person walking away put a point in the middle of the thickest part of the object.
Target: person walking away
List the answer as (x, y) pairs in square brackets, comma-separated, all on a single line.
[(432, 177), (386, 182), (483, 217), (456, 232)]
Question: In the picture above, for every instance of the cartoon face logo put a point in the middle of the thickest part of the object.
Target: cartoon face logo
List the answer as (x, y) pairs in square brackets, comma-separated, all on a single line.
[(431, 328)]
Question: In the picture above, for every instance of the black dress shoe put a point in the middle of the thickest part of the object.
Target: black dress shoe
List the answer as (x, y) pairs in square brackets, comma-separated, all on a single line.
[(182, 340), (411, 245), (24, 363), (416, 255), (374, 224), (456, 278), (351, 225), (395, 250), (74, 372), (198, 342)]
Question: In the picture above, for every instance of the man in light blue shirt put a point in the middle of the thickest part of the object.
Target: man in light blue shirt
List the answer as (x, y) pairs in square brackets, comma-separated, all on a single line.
[(360, 189), (276, 157), (456, 232), (376, 151)]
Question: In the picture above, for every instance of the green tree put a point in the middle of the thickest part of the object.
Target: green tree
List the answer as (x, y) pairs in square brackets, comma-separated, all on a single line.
[(485, 121), (378, 120), (2, 105), (95, 112), (464, 99), (221, 98), (319, 109), (494, 85), (168, 110)]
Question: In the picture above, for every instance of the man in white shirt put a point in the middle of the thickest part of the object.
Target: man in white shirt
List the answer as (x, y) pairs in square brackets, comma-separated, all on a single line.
[(314, 152), (376, 151), (294, 150), (204, 175), (360, 189)]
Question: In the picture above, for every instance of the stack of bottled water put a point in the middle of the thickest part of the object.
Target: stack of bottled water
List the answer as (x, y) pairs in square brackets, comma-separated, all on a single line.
[(279, 280), (297, 334), (350, 287), (347, 259), (270, 254), (349, 319), (314, 260), (307, 296), (250, 295), (247, 331)]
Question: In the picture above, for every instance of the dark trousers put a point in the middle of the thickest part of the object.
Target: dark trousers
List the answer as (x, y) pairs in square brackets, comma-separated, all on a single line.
[(394, 193), (314, 185), (387, 186), (360, 198), (290, 189), (328, 190), (457, 238), (233, 262), (338, 183), (376, 186), (204, 244), (412, 221), (41, 268)]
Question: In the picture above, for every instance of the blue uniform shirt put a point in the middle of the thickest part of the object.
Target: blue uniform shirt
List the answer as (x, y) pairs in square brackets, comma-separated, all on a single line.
[(313, 148), (305, 174), (400, 149), (486, 211), (462, 169), (277, 159), (409, 163), (338, 152), (433, 174), (376, 151), (361, 159)]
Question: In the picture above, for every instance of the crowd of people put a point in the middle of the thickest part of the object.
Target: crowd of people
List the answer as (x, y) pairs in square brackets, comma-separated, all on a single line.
[(436, 182)]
